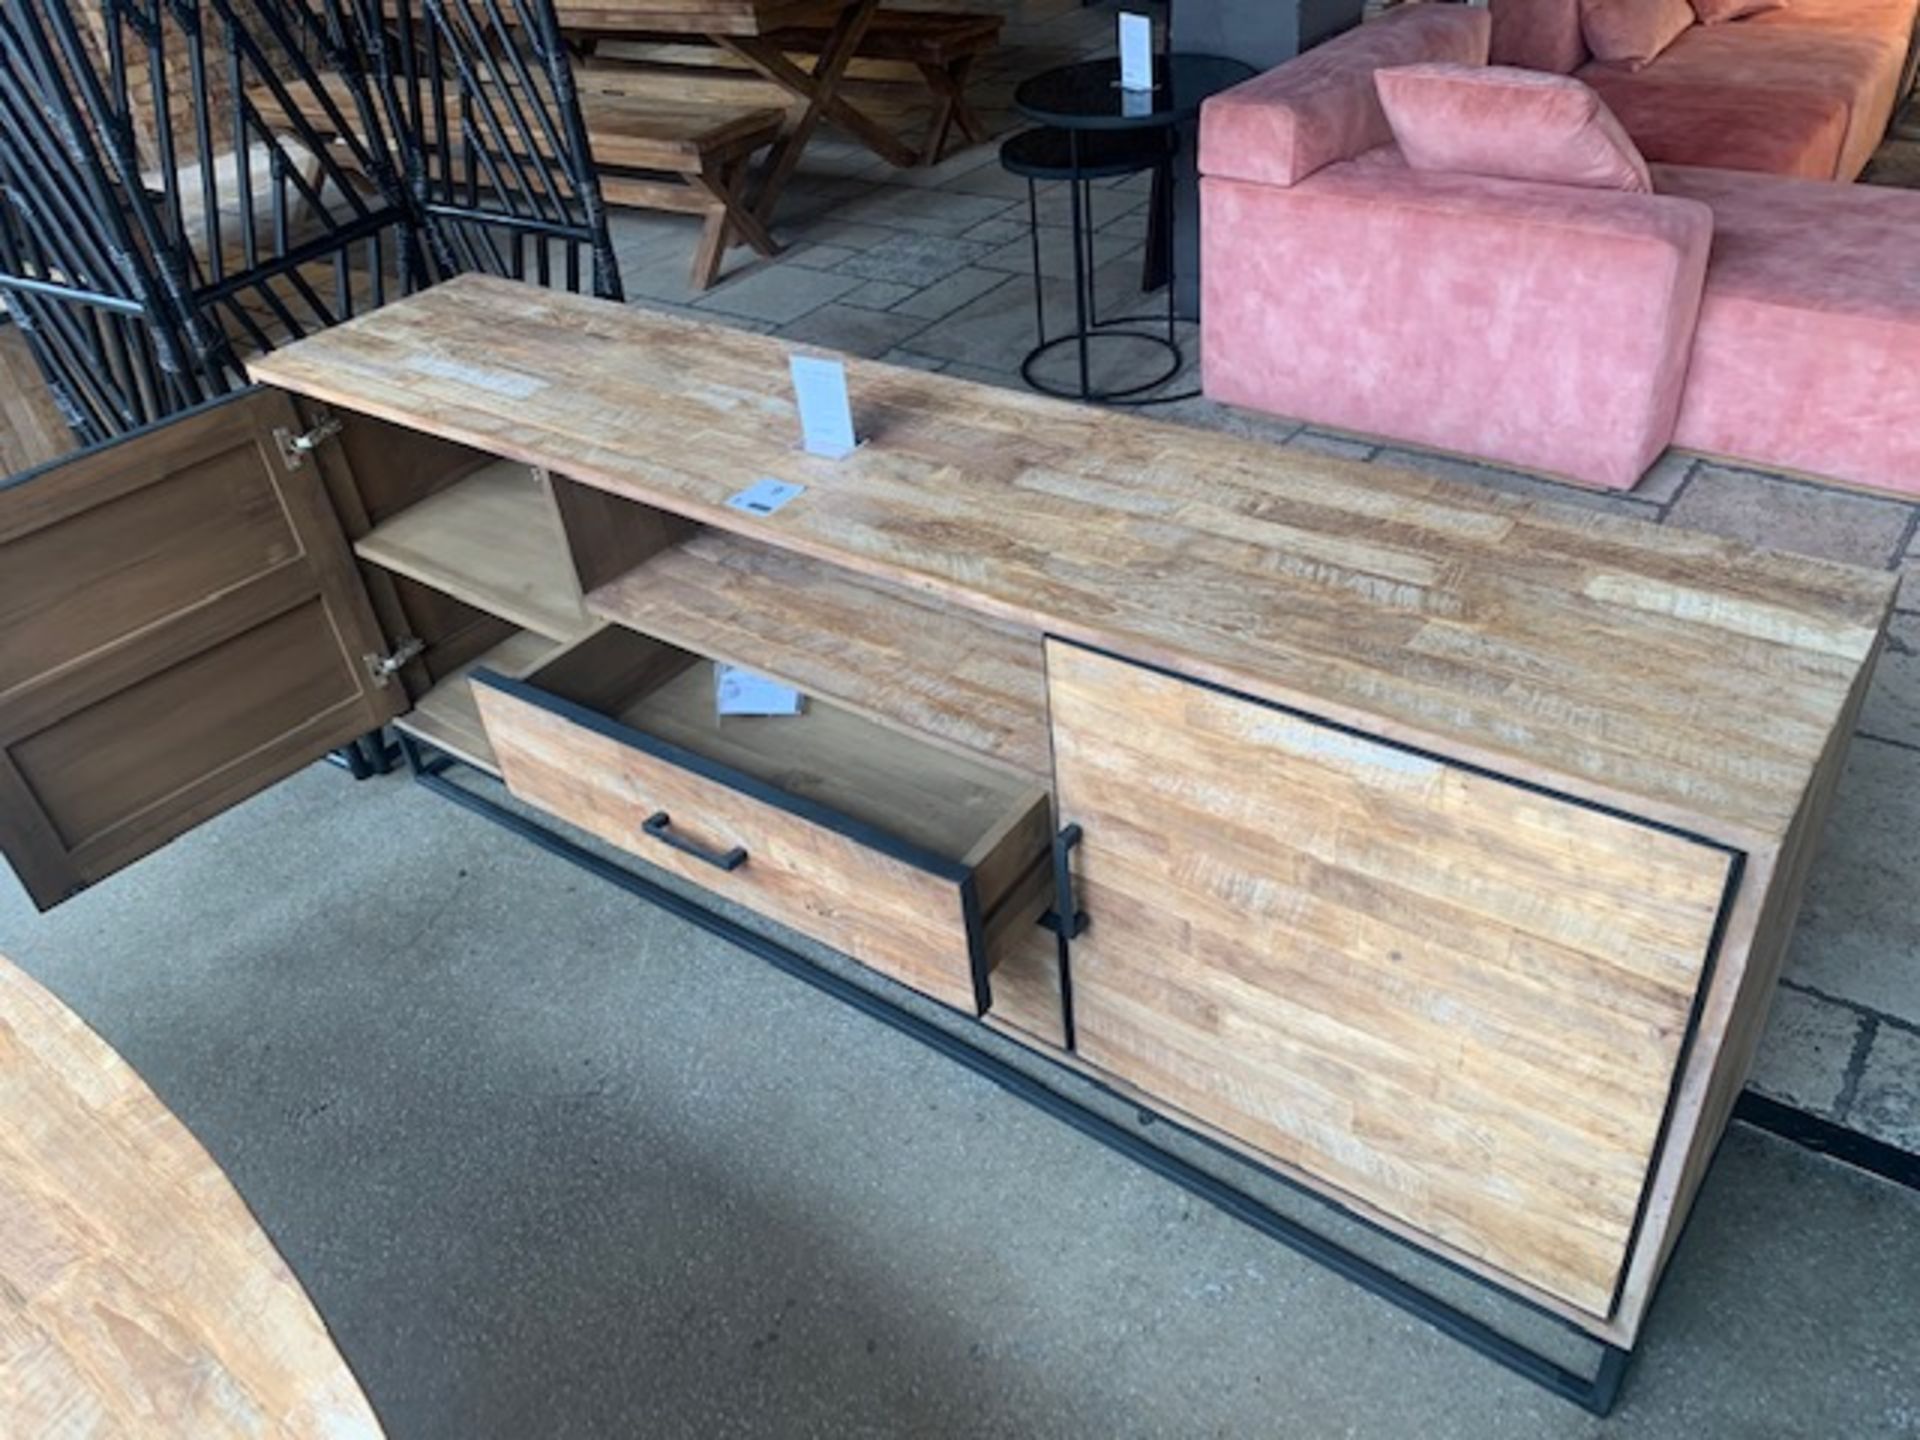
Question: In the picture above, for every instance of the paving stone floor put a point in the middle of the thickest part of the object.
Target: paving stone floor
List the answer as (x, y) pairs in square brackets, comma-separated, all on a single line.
[(933, 268)]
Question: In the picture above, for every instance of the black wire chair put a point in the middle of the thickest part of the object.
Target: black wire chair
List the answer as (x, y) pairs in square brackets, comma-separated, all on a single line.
[(184, 182)]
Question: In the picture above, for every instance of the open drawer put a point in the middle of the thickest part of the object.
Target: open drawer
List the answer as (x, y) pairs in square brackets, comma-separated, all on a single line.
[(909, 858)]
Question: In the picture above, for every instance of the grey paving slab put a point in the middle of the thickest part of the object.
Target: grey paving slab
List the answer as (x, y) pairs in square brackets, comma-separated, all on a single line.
[(1133, 224), (999, 230), (1666, 478), (1910, 581), (1005, 378), (552, 1163), (831, 229), (913, 361), (1858, 936), (1340, 447), (1107, 205), (1892, 709), (856, 331), (1807, 1051), (925, 212), (812, 256), (1887, 1106), (877, 295), (1208, 414), (916, 260), (991, 181), (997, 329), (1056, 254), (944, 296), (1792, 515), (777, 294), (953, 170)]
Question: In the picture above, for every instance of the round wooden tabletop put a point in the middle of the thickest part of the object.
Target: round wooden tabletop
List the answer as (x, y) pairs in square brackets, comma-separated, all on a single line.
[(138, 1296)]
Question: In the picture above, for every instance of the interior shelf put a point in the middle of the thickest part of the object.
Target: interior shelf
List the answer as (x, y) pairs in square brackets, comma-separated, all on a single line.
[(492, 540), (447, 716), (959, 681)]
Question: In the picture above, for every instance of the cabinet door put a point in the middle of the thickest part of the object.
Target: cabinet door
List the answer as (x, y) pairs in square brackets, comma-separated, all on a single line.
[(1459, 1001), (181, 625)]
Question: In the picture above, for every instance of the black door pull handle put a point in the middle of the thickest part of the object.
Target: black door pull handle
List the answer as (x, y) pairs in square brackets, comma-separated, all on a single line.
[(659, 827)]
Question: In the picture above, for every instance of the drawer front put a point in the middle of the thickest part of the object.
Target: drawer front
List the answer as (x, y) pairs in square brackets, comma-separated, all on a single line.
[(1461, 1001), (914, 917)]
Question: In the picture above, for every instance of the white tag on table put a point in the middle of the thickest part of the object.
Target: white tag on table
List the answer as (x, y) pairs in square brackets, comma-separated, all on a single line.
[(1136, 52), (826, 415), (763, 497), (741, 692)]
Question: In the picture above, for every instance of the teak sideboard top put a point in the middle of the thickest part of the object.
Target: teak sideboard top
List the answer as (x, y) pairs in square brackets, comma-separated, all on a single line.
[(1684, 678)]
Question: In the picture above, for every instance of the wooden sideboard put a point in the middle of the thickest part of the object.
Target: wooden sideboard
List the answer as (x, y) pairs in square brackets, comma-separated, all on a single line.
[(1437, 848)]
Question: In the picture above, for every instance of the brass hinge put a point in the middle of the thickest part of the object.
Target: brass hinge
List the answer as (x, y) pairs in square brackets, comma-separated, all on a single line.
[(294, 448), (384, 667)]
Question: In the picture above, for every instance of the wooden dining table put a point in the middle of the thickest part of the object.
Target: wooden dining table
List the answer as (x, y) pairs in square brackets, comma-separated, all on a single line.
[(138, 1295), (745, 29)]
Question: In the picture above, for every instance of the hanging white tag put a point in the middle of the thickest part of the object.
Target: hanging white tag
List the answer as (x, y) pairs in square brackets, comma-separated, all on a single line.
[(1136, 52)]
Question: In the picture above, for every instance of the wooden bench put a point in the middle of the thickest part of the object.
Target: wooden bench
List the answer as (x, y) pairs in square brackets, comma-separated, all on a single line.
[(934, 49), (942, 45), (688, 156)]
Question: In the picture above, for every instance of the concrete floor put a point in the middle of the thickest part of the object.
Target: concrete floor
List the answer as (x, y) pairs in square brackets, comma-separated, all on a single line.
[(555, 1164)]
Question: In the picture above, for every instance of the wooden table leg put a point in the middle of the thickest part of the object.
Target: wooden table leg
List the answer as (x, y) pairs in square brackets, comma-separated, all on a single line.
[(818, 88), (724, 183), (951, 108)]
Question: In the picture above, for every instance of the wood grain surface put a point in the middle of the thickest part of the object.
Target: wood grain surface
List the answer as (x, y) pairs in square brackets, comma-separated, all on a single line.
[(889, 912), (181, 625), (1462, 1001), (448, 715), (1683, 677), (138, 1297), (493, 541), (960, 680)]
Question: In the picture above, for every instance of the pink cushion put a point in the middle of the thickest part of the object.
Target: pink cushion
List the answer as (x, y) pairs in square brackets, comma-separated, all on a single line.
[(1858, 68), (1514, 124), (1280, 127), (1538, 35), (1535, 325), (1632, 32), (1719, 12), (1807, 353), (1735, 127)]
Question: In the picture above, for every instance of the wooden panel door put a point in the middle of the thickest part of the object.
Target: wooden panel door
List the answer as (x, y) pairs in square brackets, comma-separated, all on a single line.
[(1460, 1001), (181, 624)]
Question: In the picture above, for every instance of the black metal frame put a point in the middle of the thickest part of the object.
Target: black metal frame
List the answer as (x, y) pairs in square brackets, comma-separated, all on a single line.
[(166, 202), (1595, 1392), (1823, 1137), (1160, 150)]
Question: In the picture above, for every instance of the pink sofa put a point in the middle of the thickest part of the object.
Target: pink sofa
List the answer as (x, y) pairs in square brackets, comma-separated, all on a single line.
[(1804, 90), (1578, 332)]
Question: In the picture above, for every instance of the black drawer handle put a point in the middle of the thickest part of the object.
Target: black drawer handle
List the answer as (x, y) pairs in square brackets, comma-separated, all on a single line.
[(657, 825)]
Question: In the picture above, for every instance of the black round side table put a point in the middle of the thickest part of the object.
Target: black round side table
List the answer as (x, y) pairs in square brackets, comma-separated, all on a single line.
[(1092, 130)]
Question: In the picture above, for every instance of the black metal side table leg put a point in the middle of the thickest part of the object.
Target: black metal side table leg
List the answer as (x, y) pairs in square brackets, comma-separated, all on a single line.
[(1077, 160)]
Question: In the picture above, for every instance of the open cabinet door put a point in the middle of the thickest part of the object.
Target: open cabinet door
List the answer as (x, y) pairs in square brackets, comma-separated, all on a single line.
[(181, 625)]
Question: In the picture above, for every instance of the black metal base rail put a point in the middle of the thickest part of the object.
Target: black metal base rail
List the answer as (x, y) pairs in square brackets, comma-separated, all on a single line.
[(1850, 1147), (1595, 1392)]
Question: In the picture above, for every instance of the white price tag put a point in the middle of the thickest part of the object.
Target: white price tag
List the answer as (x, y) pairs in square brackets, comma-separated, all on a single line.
[(741, 692), (826, 415), (1136, 52), (763, 497)]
